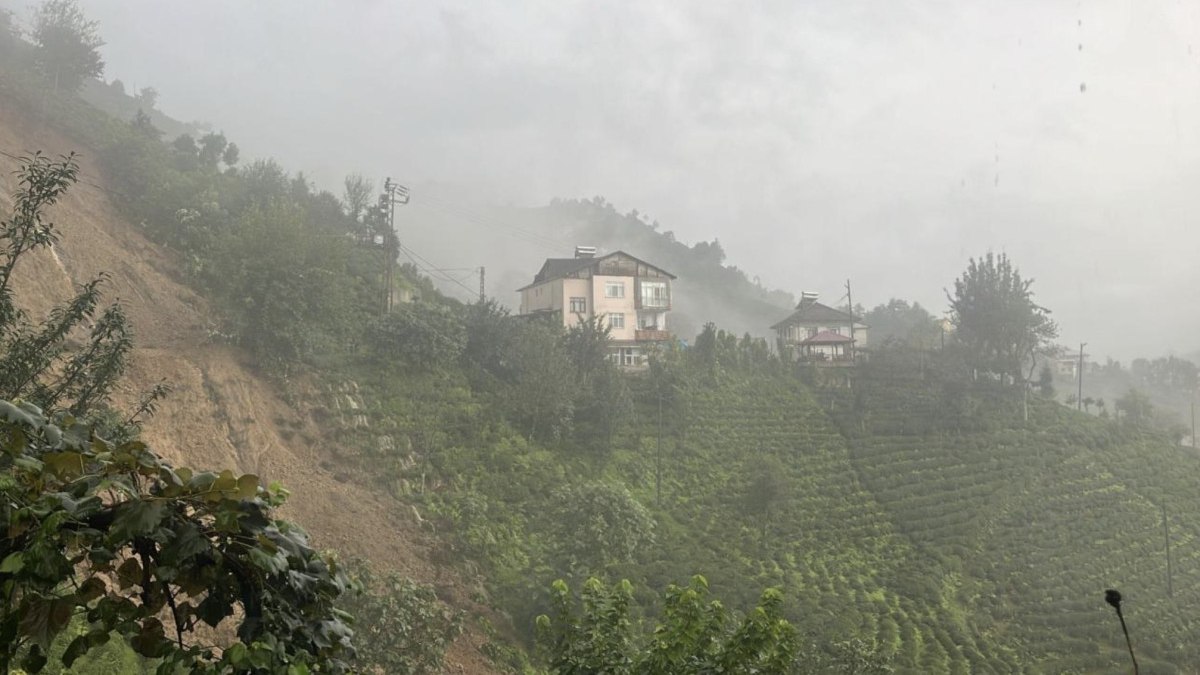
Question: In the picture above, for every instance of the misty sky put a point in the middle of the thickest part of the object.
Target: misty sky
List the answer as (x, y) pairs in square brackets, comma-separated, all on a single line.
[(885, 142)]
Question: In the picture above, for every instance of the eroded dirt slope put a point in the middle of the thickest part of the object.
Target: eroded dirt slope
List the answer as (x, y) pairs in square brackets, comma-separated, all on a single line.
[(220, 413)]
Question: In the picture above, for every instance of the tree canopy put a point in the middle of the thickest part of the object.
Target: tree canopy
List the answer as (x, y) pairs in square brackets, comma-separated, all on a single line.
[(995, 319), (68, 44)]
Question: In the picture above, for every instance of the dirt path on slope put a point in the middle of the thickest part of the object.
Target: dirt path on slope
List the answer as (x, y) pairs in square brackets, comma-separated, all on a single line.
[(220, 413)]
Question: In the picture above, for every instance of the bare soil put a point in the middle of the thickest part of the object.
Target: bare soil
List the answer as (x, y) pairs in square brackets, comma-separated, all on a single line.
[(221, 413)]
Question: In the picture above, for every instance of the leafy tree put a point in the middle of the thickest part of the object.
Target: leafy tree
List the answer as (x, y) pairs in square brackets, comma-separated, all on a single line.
[(401, 626), (9, 37), (899, 324), (1045, 382), (855, 656), (284, 284), (995, 318), (135, 547), (587, 345), (231, 154), (1135, 406), (143, 126), (597, 525), (357, 195), (768, 486), (694, 636), (523, 365), (68, 44), (147, 97), (419, 336), (35, 363), (212, 148), (602, 399)]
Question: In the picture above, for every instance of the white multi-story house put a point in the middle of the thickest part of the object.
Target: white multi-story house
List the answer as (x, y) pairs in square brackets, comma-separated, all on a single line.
[(819, 332), (631, 296)]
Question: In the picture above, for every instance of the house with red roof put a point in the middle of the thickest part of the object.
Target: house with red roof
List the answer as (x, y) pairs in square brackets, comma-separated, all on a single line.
[(817, 332)]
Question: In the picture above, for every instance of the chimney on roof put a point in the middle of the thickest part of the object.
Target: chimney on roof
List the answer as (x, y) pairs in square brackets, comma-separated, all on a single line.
[(585, 251), (808, 297)]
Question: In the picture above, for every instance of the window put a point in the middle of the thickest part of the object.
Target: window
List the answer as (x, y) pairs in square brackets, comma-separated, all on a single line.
[(579, 305), (812, 332), (614, 289), (616, 320), (626, 356), (654, 294)]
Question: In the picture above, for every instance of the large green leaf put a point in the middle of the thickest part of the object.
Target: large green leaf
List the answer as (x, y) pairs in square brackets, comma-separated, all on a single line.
[(135, 518)]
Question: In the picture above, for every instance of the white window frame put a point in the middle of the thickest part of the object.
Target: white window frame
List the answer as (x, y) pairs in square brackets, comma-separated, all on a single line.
[(630, 356), (616, 320), (614, 289), (652, 300)]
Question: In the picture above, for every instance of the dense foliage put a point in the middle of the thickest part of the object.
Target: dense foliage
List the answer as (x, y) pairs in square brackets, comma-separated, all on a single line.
[(995, 318), (694, 636), (67, 44), (400, 626)]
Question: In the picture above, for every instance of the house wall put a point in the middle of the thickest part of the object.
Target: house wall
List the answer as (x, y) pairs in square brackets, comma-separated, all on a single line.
[(625, 305), (799, 332), (576, 288), (541, 298)]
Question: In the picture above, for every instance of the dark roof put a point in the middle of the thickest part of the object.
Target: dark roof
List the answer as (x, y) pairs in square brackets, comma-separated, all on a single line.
[(811, 311), (561, 267), (827, 337), (557, 268)]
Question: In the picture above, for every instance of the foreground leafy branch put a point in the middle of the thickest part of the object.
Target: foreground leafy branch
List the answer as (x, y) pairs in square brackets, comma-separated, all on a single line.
[(111, 533), (695, 635)]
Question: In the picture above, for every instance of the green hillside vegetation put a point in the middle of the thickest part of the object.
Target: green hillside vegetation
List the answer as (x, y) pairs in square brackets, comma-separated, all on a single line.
[(912, 517)]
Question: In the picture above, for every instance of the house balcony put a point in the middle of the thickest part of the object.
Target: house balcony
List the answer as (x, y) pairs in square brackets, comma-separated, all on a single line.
[(651, 335)]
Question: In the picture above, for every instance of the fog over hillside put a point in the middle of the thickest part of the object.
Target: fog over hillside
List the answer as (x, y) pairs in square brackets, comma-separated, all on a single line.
[(882, 142)]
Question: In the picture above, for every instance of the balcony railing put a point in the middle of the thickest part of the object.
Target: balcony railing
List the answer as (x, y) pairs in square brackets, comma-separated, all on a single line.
[(651, 335)]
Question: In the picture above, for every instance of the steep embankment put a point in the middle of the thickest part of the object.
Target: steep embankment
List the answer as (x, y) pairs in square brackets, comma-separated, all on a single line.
[(220, 413)]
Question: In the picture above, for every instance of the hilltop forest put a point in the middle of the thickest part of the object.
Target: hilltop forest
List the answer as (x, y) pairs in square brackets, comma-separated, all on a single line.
[(935, 509)]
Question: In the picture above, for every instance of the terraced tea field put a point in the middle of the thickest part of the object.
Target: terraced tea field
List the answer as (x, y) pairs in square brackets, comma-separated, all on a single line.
[(1035, 519)]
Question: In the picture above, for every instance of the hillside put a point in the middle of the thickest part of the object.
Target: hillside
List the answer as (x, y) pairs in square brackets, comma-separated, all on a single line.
[(220, 413), (908, 516)]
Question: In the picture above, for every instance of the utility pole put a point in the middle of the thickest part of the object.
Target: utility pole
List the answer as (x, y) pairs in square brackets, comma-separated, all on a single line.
[(393, 194), (658, 458), (1167, 541), (482, 294), (850, 307), (1079, 394)]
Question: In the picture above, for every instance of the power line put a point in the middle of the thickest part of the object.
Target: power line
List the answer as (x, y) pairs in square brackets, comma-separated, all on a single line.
[(80, 177), (430, 269)]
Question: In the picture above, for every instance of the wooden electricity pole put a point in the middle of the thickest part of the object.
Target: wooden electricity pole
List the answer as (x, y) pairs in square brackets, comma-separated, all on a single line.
[(850, 307), (393, 194), (1167, 541), (1079, 394)]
